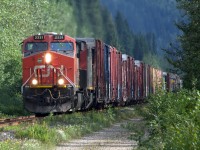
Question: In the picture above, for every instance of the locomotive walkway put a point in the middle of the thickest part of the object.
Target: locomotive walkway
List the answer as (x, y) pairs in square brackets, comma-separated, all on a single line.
[(113, 138)]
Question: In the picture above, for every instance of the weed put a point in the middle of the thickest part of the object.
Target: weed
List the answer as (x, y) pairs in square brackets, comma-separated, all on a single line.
[(172, 121), (55, 129)]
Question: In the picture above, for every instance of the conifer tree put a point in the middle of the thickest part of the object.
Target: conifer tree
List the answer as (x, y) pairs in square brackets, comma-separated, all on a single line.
[(186, 56)]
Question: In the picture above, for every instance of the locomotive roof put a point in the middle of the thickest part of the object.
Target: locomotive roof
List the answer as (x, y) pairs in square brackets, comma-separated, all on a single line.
[(48, 34), (89, 41)]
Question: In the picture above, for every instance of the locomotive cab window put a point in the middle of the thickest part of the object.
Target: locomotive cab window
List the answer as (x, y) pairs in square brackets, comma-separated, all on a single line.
[(63, 47), (33, 47)]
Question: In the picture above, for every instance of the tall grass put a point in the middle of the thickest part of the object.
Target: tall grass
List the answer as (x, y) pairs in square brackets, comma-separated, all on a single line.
[(55, 129)]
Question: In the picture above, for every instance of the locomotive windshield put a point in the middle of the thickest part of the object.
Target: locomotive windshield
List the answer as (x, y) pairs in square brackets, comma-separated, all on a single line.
[(63, 47), (32, 47)]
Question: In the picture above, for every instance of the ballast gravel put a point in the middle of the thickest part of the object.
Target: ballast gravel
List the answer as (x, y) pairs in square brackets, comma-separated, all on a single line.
[(113, 138), (9, 135)]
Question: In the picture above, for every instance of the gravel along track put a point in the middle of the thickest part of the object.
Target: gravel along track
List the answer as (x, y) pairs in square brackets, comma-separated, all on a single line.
[(113, 138)]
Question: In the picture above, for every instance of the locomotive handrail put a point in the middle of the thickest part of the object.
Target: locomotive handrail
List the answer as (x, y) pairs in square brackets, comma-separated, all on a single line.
[(25, 83), (67, 79)]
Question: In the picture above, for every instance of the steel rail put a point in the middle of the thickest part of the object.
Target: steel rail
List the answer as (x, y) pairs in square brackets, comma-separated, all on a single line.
[(16, 121)]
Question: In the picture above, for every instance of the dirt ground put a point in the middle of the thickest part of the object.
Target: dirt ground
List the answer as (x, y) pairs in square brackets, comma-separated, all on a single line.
[(113, 138)]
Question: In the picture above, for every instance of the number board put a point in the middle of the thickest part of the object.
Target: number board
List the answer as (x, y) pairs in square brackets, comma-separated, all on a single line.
[(38, 37), (58, 37)]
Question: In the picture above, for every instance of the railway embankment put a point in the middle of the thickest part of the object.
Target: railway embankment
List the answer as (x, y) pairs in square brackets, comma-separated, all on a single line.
[(54, 130)]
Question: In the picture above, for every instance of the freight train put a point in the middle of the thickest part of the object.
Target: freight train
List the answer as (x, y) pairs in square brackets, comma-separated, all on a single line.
[(62, 74)]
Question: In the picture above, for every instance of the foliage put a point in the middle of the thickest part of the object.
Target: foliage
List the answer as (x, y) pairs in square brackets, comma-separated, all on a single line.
[(185, 56), (41, 132), (144, 16), (13, 18), (152, 60), (22, 145), (19, 19), (94, 20), (10, 144), (173, 120), (153, 25), (55, 129)]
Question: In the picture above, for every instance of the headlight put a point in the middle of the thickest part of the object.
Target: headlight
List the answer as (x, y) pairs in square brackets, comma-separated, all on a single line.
[(48, 58), (61, 81), (34, 82)]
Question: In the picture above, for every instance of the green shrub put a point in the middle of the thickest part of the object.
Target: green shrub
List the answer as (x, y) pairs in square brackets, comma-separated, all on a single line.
[(8, 105), (9, 144), (173, 120), (41, 132)]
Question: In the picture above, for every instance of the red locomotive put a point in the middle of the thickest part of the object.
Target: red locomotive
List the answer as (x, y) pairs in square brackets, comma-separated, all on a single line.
[(61, 73)]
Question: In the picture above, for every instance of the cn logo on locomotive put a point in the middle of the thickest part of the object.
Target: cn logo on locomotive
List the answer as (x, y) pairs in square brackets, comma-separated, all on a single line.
[(48, 70)]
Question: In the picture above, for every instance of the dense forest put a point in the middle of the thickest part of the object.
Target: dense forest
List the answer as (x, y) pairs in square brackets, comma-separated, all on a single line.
[(155, 20), (156, 16), (185, 54), (96, 21)]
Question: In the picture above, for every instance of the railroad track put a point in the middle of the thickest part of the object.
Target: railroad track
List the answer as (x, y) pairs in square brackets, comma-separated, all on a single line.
[(32, 118), (16, 121)]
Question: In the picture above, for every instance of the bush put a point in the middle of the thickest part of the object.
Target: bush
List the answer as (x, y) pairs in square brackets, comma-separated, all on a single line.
[(12, 105), (173, 120)]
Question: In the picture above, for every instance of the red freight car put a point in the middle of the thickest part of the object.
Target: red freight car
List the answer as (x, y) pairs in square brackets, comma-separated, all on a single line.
[(146, 80), (124, 77), (139, 79), (113, 63), (119, 77), (99, 74), (132, 78), (128, 71)]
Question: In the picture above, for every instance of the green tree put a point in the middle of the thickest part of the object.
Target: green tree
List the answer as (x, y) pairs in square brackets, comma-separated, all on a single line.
[(88, 17), (19, 19), (15, 23), (110, 31), (186, 56), (125, 34)]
